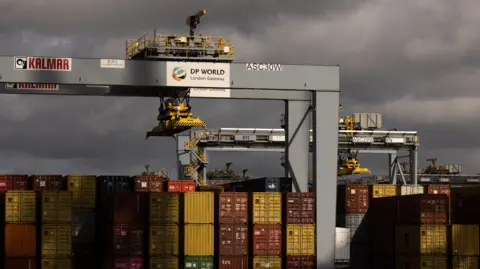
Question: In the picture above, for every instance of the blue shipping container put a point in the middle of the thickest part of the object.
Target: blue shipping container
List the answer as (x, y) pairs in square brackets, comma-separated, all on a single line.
[(265, 184)]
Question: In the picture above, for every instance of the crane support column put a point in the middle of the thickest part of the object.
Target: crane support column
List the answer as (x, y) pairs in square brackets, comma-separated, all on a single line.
[(414, 165), (391, 162), (297, 131), (325, 148)]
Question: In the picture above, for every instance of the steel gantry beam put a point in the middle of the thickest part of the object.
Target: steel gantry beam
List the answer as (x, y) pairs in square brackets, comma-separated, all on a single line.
[(317, 85)]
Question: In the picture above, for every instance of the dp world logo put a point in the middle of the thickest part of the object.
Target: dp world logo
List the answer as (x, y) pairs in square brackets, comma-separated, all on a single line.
[(179, 74)]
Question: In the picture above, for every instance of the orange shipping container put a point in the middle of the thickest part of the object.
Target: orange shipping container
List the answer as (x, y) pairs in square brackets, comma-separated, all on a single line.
[(20, 240)]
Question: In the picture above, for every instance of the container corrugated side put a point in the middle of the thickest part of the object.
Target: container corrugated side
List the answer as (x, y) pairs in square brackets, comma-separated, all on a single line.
[(128, 262), (56, 240), (267, 208), (199, 262), (233, 239), (164, 240), (267, 239), (20, 240), (125, 240), (300, 262), (264, 262), (465, 240), (342, 245), (421, 239), (437, 189), (199, 207), (83, 225), (20, 263), (164, 207), (300, 239), (20, 206), (199, 240), (465, 262), (411, 189), (233, 262), (56, 207), (421, 262), (300, 208), (56, 263), (353, 198), (83, 189), (233, 207), (48, 182), (164, 263), (383, 190)]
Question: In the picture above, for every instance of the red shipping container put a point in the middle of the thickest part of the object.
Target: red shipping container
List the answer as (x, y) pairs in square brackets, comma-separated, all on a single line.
[(125, 239), (149, 183), (13, 182), (267, 239), (127, 208), (352, 198), (20, 240), (300, 262), (300, 208), (181, 186), (233, 239), (437, 189), (20, 263), (233, 262), (233, 207), (5, 183), (48, 182), (124, 263)]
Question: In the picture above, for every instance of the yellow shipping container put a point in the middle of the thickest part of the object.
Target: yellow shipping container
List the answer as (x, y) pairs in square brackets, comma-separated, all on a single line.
[(421, 239), (465, 262), (300, 239), (199, 240), (199, 207), (465, 240), (56, 263), (411, 189), (164, 240), (20, 206), (84, 190), (56, 207), (56, 240), (164, 263), (264, 262), (383, 190), (421, 262), (164, 207), (267, 208)]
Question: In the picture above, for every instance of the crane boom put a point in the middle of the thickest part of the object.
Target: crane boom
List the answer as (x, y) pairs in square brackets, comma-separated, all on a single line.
[(194, 20)]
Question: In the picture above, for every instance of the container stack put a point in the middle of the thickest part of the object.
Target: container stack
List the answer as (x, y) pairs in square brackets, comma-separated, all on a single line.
[(199, 219), (56, 229), (299, 217), (410, 190), (267, 229), (464, 242), (124, 216), (20, 230), (352, 205), (233, 230), (83, 189), (164, 230)]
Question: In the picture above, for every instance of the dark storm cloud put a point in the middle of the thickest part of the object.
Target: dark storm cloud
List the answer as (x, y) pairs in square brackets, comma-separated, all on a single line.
[(401, 58)]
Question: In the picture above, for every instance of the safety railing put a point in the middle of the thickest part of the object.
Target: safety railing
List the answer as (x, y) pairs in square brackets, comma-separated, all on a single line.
[(170, 45)]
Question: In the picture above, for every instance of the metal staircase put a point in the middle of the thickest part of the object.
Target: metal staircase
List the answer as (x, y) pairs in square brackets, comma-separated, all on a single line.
[(198, 161)]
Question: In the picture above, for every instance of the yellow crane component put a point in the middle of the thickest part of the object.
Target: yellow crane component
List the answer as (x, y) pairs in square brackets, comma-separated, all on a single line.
[(194, 20), (350, 165), (434, 169)]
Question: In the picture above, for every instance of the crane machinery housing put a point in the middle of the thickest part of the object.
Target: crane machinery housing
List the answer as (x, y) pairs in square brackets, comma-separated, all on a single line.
[(175, 114)]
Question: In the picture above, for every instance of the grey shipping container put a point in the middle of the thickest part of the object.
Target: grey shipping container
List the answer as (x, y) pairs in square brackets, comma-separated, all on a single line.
[(357, 223)]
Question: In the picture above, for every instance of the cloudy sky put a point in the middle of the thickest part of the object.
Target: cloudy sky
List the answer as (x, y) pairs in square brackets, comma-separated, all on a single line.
[(414, 61)]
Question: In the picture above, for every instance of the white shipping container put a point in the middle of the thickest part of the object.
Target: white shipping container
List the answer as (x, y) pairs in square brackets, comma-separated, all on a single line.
[(342, 245), (454, 168), (368, 121), (411, 189)]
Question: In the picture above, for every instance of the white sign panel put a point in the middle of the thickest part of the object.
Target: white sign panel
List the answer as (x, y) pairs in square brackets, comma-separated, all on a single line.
[(263, 67), (360, 139), (32, 86), (210, 92), (187, 74), (43, 64), (112, 63)]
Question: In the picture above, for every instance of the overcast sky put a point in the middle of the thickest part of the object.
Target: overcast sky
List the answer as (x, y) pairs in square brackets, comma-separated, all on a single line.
[(414, 61)]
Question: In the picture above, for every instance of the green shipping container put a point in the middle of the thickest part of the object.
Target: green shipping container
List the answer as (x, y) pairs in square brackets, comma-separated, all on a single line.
[(56, 240), (20, 207), (56, 207), (83, 190), (198, 262), (164, 207)]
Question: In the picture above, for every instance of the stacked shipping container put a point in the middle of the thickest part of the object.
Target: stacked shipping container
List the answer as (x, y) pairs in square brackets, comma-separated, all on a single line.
[(464, 242), (199, 237), (299, 216), (233, 230), (267, 229), (20, 229), (56, 229)]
